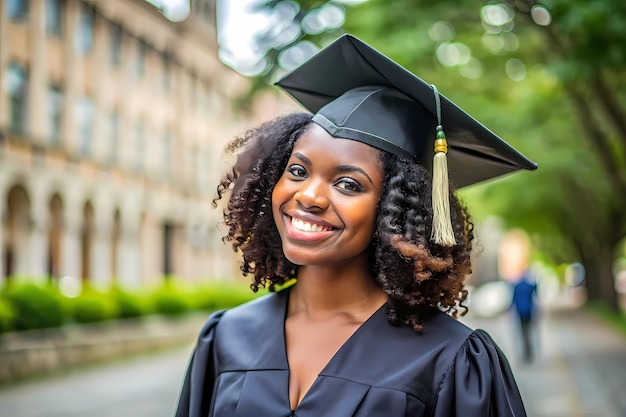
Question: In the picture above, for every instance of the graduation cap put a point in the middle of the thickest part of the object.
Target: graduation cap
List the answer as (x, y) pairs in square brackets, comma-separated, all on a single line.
[(358, 93)]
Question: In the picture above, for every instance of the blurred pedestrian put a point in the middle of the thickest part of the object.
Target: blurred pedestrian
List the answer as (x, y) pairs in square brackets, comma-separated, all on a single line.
[(524, 292), (515, 252)]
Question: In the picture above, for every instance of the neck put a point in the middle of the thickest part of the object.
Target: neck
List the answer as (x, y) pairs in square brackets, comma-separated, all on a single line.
[(323, 290)]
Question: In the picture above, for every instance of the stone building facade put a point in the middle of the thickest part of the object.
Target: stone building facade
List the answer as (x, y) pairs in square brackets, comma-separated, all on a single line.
[(112, 125)]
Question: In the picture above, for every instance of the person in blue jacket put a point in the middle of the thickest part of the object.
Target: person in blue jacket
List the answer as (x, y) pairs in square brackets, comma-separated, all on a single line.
[(524, 294)]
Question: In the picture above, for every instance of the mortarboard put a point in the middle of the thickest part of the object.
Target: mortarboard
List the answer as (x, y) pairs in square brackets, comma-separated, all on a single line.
[(358, 93)]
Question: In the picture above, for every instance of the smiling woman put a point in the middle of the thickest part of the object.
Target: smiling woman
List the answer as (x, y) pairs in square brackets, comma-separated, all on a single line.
[(343, 201)]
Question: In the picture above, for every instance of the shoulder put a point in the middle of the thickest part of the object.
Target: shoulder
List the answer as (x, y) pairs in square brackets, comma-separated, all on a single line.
[(478, 382), (446, 326), (471, 370), (442, 333), (244, 313), (266, 307), (249, 336), (443, 336)]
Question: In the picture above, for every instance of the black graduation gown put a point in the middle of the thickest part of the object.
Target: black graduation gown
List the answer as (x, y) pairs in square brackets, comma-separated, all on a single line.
[(239, 369)]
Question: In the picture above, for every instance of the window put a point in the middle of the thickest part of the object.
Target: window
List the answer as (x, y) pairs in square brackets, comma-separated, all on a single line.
[(85, 118), (55, 113), (83, 37), (168, 243), (168, 148), (114, 133), (167, 72), (116, 45), (17, 82), (17, 9), (141, 59), (140, 139), (54, 17)]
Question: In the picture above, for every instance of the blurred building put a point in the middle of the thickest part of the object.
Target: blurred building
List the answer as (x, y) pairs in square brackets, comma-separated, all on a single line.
[(112, 125)]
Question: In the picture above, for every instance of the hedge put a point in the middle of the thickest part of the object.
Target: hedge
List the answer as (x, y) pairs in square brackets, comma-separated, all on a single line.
[(130, 305), (25, 306), (169, 301), (35, 306), (92, 306), (7, 316)]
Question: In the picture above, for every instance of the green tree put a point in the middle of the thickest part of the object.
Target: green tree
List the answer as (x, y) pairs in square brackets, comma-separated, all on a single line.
[(546, 75)]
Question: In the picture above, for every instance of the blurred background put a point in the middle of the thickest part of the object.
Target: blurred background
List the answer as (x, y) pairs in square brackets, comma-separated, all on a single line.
[(113, 119)]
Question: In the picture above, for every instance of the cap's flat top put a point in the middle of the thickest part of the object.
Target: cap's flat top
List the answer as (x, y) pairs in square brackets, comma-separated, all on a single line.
[(474, 152)]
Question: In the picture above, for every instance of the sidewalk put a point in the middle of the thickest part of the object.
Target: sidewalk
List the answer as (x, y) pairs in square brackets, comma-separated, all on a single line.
[(138, 386), (580, 368)]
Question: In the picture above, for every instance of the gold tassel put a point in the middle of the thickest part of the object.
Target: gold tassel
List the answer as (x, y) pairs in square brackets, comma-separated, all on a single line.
[(442, 233)]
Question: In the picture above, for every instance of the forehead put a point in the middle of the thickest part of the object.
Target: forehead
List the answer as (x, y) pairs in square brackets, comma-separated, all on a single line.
[(316, 142)]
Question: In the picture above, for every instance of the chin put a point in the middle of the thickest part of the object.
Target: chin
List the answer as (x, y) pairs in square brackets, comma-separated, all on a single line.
[(305, 257), (299, 259)]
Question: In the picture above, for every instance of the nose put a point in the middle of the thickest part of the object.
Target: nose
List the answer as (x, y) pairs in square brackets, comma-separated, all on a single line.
[(312, 195)]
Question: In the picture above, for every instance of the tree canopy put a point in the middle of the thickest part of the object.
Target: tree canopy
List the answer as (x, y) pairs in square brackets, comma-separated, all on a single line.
[(548, 76)]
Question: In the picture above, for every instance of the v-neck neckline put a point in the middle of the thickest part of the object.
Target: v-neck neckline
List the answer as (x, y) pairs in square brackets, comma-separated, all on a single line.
[(332, 359)]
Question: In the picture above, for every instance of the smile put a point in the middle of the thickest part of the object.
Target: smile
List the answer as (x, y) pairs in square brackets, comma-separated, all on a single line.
[(308, 227)]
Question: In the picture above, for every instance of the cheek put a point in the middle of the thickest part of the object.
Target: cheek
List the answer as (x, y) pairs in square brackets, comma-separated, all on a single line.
[(372, 214), (362, 215), (370, 223), (279, 194)]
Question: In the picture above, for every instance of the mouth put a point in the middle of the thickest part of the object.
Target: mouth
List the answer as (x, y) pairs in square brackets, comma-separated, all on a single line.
[(310, 230), (308, 227)]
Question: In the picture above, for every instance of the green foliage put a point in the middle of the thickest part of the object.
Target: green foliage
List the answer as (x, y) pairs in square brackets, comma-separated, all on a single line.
[(29, 306), (7, 316), (176, 297), (219, 295), (170, 301), (35, 306), (596, 28), (130, 305), (93, 306)]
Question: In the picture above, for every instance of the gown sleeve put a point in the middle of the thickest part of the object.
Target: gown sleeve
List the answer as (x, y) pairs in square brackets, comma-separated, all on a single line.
[(479, 383), (195, 396)]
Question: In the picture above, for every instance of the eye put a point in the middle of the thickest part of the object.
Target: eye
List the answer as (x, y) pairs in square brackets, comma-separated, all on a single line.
[(348, 184), (296, 171)]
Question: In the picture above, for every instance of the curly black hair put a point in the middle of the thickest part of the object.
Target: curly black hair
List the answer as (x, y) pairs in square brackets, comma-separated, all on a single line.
[(416, 274)]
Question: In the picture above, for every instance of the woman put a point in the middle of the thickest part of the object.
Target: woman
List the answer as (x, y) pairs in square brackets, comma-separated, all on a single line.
[(341, 201)]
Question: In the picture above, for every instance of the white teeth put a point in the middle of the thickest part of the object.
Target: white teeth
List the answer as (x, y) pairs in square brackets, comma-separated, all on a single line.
[(306, 226)]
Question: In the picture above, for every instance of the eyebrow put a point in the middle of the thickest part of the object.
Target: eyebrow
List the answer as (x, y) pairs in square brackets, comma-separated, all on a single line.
[(341, 168)]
